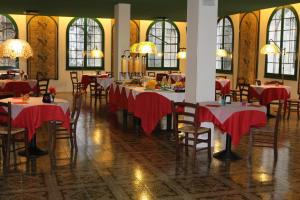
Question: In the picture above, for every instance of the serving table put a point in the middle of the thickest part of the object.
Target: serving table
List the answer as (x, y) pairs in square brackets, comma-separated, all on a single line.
[(148, 105), (234, 119), (223, 85), (32, 113), (18, 87)]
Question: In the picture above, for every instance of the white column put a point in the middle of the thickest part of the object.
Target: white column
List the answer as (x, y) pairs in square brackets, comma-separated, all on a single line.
[(121, 35), (201, 50)]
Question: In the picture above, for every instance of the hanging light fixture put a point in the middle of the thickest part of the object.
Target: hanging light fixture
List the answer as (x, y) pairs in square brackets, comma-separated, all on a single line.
[(96, 53), (182, 53), (16, 48), (222, 53)]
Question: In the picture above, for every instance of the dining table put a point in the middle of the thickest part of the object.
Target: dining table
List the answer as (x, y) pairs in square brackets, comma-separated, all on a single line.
[(149, 105), (235, 120), (223, 85), (86, 79), (19, 87), (268, 93), (31, 113)]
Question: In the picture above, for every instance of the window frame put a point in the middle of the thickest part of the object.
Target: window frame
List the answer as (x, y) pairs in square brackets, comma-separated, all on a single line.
[(279, 75), (85, 67), (222, 71), (163, 68), (16, 36)]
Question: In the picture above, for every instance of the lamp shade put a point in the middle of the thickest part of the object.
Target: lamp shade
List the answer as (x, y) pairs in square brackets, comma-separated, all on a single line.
[(1, 50), (96, 53), (222, 53), (16, 48), (270, 49), (181, 54), (134, 48), (147, 47)]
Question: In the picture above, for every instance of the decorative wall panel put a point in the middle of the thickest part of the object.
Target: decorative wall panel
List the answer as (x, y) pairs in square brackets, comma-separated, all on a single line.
[(42, 35), (248, 46)]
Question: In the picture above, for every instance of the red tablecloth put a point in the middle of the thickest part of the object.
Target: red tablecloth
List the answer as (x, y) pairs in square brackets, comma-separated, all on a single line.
[(18, 87), (223, 86), (237, 123), (267, 94), (87, 79), (32, 117)]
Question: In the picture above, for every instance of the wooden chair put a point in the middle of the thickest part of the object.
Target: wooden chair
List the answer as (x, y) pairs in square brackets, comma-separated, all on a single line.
[(221, 76), (8, 136), (189, 119), (76, 85), (42, 86), (235, 93), (151, 74), (244, 92), (293, 105), (62, 133), (267, 136)]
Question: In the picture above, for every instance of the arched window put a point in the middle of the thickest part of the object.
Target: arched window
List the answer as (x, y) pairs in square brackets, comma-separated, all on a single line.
[(224, 41), (283, 31), (165, 35), (84, 35), (8, 30)]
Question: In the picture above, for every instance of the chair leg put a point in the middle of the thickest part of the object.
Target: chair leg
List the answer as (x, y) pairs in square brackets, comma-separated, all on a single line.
[(209, 145), (7, 155), (289, 111), (14, 153), (26, 141), (298, 111), (195, 147), (75, 141), (250, 145), (186, 143)]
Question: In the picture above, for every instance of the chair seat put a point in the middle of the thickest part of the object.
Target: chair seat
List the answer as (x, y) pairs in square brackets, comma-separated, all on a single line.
[(191, 129), (3, 130), (294, 100)]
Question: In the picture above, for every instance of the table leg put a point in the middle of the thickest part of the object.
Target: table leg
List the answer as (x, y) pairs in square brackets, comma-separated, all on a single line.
[(125, 113), (33, 149), (269, 115), (227, 154), (136, 122), (169, 122)]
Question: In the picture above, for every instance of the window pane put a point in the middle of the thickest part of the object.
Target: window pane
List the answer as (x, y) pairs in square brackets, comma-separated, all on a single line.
[(224, 41), (166, 38), (283, 30), (7, 31), (85, 34)]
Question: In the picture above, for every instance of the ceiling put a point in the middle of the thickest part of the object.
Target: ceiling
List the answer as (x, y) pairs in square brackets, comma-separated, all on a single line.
[(140, 9)]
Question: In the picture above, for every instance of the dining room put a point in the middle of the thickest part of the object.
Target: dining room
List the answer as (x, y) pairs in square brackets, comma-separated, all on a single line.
[(195, 99)]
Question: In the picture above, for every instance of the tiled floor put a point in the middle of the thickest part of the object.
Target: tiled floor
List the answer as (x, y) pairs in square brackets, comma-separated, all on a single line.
[(117, 164)]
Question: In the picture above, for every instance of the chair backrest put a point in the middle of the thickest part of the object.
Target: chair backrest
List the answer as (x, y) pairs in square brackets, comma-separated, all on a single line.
[(40, 75), (74, 77), (273, 82), (151, 74), (221, 76), (76, 107), (239, 81), (42, 86), (5, 113), (159, 76), (244, 91), (185, 113)]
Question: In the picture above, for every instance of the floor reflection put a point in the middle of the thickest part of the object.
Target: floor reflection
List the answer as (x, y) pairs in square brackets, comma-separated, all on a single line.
[(113, 163)]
